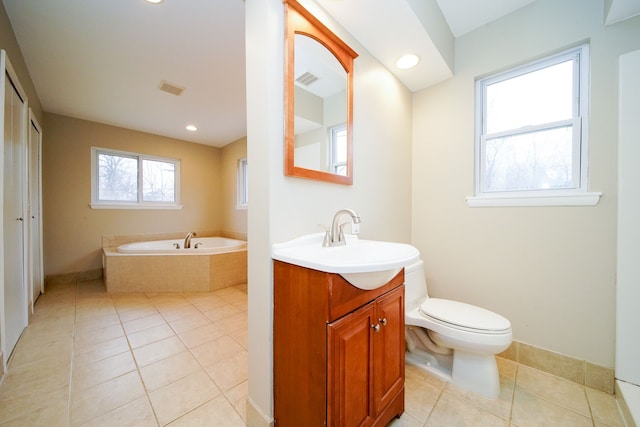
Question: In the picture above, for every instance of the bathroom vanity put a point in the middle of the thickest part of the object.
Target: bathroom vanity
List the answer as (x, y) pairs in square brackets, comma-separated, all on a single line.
[(338, 349)]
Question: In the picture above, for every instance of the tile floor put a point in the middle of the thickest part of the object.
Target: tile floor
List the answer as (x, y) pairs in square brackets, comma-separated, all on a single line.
[(97, 359)]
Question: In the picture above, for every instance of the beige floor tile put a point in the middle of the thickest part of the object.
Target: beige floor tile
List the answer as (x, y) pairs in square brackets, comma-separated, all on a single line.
[(237, 396), (40, 377), (206, 302), (242, 305), (173, 312), (234, 322), (134, 414), (32, 349), (142, 323), (216, 350), (190, 322), (222, 312), (159, 350), (23, 405), (92, 323), (421, 394), (553, 389), (55, 415), (405, 420), (241, 336), (231, 371), (451, 411), (201, 335), (604, 408), (104, 397), (151, 335), (176, 399), (85, 338), (136, 312), (168, 370), (85, 376), (216, 413), (529, 410), (99, 351)]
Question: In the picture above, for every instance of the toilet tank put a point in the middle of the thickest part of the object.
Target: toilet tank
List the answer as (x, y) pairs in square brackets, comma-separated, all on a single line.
[(415, 285)]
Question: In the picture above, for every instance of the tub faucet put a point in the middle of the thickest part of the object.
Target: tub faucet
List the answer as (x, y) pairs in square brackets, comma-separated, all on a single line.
[(337, 231), (187, 240)]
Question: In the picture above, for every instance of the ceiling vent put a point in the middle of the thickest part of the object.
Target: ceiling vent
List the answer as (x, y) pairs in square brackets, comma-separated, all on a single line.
[(306, 79), (171, 88)]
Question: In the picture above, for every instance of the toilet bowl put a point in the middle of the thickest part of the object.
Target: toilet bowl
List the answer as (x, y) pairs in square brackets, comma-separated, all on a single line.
[(453, 340)]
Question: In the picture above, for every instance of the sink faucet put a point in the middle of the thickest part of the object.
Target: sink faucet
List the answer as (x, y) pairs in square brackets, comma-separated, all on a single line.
[(337, 231), (187, 240)]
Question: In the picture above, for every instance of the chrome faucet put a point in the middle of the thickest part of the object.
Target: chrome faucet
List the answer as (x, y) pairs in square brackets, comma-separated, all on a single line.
[(336, 238), (187, 240)]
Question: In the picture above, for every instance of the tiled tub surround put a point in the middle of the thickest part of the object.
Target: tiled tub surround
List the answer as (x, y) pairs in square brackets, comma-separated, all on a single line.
[(94, 358), (170, 272)]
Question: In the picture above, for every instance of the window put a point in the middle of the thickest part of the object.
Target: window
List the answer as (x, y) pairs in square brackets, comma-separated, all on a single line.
[(243, 184), (130, 180), (531, 133), (338, 149)]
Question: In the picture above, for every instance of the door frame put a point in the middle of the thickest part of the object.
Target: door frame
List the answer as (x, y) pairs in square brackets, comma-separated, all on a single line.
[(7, 69)]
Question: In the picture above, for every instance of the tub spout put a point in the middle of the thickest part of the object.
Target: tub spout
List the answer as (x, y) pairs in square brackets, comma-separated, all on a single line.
[(187, 240)]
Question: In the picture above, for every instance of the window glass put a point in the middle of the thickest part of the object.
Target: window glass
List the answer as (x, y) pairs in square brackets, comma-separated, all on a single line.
[(158, 181), (117, 178)]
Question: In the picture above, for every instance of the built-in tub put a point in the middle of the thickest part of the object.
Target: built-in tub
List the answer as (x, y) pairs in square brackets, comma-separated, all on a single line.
[(199, 246), (159, 266)]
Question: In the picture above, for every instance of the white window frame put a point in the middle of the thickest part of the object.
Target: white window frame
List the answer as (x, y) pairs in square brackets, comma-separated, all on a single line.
[(242, 192), (576, 196), (333, 131), (140, 204)]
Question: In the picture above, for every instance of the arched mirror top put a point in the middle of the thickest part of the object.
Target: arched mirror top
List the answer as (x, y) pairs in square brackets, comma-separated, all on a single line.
[(318, 99)]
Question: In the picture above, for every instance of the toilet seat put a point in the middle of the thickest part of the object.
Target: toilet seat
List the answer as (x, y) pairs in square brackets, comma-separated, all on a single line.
[(463, 316)]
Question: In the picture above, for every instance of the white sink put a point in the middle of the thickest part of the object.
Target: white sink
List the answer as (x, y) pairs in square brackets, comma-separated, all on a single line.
[(366, 264)]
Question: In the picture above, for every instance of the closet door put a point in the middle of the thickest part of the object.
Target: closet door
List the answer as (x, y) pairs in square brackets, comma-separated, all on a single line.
[(36, 282), (15, 314)]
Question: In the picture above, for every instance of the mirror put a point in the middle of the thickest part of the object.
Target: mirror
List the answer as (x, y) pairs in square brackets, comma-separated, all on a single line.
[(318, 100)]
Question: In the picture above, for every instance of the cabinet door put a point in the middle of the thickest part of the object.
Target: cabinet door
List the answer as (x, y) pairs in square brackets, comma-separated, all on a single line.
[(350, 370), (389, 348)]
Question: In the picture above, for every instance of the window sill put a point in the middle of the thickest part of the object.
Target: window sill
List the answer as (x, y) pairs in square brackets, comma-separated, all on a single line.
[(521, 200), (133, 206)]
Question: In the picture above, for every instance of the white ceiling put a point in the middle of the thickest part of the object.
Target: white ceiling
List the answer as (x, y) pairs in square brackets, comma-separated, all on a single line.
[(104, 60)]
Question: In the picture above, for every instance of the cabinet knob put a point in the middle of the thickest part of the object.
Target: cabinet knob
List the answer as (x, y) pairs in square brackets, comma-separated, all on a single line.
[(376, 327), (383, 321)]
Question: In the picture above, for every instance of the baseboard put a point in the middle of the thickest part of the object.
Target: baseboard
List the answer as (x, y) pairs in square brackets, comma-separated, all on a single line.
[(570, 368), (256, 417), (54, 280)]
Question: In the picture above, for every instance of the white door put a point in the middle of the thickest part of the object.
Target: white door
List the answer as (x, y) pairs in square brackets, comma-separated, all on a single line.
[(15, 314), (35, 217)]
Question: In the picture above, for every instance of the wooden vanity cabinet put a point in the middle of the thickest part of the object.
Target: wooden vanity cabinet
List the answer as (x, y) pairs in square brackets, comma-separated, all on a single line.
[(338, 350)]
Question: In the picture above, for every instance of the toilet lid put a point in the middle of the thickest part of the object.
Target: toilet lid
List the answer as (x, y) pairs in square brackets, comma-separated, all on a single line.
[(464, 315)]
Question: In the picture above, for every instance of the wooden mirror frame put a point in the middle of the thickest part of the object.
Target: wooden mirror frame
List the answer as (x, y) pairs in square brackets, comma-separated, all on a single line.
[(298, 20)]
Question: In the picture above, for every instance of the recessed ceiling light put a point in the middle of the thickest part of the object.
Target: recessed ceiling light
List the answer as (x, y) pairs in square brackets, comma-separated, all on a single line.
[(154, 1), (191, 128), (407, 61)]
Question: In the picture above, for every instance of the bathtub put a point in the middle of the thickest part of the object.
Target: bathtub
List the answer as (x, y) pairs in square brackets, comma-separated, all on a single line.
[(158, 266), (203, 245)]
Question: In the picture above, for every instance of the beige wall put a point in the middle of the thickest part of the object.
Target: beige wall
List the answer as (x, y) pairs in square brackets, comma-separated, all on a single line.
[(550, 270), (73, 231), (234, 220), (281, 207), (9, 43)]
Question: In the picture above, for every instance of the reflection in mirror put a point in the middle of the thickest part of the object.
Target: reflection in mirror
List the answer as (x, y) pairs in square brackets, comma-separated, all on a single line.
[(320, 108), (318, 100)]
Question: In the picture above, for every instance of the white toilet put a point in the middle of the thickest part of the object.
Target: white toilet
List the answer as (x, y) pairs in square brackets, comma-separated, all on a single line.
[(453, 340)]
